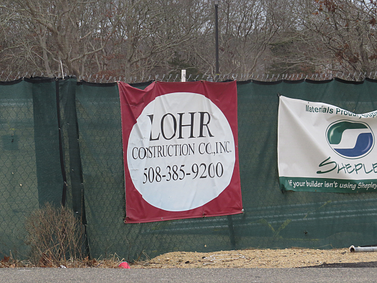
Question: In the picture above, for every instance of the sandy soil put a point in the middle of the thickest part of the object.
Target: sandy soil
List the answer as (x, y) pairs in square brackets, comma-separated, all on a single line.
[(259, 258)]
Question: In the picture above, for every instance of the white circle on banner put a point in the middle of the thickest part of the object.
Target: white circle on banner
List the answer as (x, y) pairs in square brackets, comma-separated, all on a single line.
[(181, 152)]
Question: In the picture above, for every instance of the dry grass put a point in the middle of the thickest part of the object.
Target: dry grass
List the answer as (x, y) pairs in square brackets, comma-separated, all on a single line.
[(56, 238), (111, 262), (253, 258), (257, 258)]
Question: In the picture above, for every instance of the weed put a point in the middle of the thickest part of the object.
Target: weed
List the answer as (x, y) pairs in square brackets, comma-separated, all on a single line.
[(55, 236)]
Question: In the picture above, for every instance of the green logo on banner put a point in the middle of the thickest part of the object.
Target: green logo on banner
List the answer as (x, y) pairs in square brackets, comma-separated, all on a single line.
[(350, 139)]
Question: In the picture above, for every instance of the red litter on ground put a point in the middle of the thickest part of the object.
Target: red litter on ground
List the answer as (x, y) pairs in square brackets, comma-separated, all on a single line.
[(124, 264)]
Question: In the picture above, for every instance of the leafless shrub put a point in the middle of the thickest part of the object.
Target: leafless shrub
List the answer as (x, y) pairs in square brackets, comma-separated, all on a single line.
[(55, 236)]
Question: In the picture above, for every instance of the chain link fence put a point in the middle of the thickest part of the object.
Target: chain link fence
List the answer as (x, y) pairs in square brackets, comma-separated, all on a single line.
[(61, 143)]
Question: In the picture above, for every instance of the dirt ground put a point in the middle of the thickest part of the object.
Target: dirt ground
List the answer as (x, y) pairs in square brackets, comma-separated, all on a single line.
[(263, 258)]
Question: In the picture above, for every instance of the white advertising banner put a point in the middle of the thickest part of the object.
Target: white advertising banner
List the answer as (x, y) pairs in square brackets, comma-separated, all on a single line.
[(323, 148)]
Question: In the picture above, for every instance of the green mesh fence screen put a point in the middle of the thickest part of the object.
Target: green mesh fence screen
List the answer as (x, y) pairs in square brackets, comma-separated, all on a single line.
[(61, 143), (30, 171)]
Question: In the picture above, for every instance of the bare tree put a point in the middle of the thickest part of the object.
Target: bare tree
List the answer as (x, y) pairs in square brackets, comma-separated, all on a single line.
[(142, 38), (65, 30), (342, 32), (247, 27), (151, 33)]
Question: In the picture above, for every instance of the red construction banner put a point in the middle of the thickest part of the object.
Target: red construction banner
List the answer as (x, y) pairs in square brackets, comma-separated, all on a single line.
[(180, 150)]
